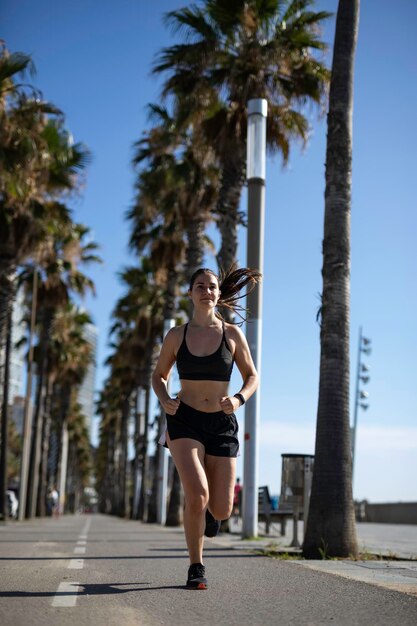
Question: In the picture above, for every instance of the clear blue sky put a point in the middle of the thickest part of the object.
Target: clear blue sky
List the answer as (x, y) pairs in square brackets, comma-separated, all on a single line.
[(93, 60)]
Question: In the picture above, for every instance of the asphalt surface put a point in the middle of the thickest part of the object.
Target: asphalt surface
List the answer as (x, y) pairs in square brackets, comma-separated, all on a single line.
[(89, 570)]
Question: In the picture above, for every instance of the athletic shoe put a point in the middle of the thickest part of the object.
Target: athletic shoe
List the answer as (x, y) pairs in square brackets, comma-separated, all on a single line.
[(196, 576), (212, 525)]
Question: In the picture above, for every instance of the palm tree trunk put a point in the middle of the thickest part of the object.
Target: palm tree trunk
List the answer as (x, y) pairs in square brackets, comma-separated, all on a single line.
[(174, 514), (64, 405), (152, 503), (227, 210), (144, 497), (331, 521), (169, 305), (195, 247), (27, 419), (46, 429), (7, 289), (123, 510), (7, 294), (35, 452), (229, 216), (169, 321), (137, 463), (111, 503), (70, 482)]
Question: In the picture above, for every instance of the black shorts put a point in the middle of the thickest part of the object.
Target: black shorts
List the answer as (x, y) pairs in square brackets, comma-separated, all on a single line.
[(216, 431)]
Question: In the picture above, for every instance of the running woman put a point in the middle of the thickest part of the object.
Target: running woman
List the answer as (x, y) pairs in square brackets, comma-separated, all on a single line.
[(202, 430)]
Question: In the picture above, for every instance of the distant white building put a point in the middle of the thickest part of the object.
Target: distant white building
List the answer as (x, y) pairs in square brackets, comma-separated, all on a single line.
[(86, 392)]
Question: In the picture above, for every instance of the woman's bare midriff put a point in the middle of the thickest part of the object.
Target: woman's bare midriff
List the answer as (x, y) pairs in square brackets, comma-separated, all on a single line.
[(203, 395)]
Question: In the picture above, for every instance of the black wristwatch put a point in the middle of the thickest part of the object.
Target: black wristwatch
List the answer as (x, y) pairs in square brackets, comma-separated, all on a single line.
[(240, 397)]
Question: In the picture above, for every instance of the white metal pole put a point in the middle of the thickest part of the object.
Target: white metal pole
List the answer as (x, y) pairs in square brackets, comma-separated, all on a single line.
[(256, 157), (63, 476), (161, 505)]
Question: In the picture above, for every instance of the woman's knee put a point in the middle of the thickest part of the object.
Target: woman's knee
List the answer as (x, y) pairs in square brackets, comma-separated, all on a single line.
[(196, 501), (221, 510)]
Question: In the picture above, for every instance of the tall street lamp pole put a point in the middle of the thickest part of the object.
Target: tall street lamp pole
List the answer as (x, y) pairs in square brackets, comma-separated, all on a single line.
[(256, 160), (161, 505)]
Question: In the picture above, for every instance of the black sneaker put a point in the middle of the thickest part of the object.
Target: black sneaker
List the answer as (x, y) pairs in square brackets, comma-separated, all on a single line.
[(196, 576), (212, 525)]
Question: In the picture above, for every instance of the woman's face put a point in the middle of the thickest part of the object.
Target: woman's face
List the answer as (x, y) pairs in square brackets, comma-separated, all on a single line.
[(205, 291)]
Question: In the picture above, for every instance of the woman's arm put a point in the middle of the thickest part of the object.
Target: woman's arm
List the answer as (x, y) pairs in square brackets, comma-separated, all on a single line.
[(162, 371), (245, 364)]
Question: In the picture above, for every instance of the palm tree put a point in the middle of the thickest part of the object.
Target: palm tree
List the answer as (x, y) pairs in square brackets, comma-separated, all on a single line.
[(138, 323), (105, 461), (122, 383), (176, 195), (31, 160), (38, 161), (178, 187), (331, 521), (79, 457), (62, 252), (69, 355), (234, 52)]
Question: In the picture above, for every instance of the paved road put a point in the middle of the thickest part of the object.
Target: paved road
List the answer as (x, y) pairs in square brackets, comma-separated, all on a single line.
[(93, 570)]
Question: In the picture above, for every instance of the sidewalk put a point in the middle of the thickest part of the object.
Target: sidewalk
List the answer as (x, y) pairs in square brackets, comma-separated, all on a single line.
[(396, 543)]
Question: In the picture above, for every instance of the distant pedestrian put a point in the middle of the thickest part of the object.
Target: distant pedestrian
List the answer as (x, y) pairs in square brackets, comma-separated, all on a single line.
[(55, 502), (201, 425), (237, 499)]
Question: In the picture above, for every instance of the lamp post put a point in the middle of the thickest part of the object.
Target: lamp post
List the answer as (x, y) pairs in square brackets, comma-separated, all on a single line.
[(256, 161), (360, 395), (161, 504)]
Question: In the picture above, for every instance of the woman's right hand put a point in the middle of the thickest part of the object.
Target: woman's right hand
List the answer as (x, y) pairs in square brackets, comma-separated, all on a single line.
[(171, 405)]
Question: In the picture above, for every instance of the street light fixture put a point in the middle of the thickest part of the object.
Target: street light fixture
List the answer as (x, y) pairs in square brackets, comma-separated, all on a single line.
[(255, 172), (365, 347)]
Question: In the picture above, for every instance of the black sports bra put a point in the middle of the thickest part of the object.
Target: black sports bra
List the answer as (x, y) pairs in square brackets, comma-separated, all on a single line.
[(216, 366)]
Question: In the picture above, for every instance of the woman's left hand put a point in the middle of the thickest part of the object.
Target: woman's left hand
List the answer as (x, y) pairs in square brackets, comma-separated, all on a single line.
[(229, 404)]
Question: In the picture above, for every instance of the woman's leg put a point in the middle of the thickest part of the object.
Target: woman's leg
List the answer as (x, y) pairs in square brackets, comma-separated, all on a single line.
[(188, 455), (221, 476)]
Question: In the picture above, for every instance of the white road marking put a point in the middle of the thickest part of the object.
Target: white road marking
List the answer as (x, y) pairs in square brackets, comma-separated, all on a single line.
[(80, 542), (86, 529), (83, 536), (79, 550), (76, 564), (66, 594)]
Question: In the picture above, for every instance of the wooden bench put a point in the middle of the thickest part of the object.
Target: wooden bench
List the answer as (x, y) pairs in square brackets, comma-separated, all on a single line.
[(267, 515)]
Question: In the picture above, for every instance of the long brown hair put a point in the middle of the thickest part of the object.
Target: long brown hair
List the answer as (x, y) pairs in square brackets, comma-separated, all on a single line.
[(231, 284)]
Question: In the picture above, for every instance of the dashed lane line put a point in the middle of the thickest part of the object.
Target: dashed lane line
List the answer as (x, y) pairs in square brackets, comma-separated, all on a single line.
[(85, 529), (66, 595)]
